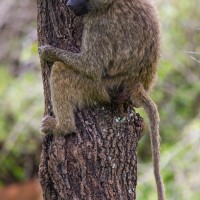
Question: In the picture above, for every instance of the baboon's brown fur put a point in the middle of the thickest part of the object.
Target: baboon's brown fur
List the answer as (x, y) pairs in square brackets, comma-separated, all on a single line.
[(120, 48)]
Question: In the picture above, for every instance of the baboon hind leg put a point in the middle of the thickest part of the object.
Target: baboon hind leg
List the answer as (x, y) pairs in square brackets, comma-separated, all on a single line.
[(70, 90)]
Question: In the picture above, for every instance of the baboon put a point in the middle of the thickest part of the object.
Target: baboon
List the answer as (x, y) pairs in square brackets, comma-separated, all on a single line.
[(120, 48)]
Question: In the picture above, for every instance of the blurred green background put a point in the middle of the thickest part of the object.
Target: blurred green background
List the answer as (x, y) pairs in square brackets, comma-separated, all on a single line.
[(177, 93)]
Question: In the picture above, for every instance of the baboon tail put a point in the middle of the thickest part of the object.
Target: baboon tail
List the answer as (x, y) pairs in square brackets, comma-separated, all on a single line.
[(152, 113)]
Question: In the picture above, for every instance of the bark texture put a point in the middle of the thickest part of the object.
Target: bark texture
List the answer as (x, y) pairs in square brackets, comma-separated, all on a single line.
[(100, 160)]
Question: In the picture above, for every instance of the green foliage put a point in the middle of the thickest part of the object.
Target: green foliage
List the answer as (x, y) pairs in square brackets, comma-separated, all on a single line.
[(21, 100), (177, 93)]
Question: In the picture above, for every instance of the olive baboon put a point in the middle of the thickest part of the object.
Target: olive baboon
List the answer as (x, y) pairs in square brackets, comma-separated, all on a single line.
[(120, 48)]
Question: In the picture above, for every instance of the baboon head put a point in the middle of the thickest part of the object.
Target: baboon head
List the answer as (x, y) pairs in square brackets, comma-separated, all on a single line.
[(82, 7)]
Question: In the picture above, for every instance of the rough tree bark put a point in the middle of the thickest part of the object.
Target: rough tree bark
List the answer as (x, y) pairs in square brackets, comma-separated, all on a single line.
[(100, 160)]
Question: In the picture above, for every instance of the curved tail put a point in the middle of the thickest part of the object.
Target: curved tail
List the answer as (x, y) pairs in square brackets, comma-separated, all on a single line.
[(152, 113)]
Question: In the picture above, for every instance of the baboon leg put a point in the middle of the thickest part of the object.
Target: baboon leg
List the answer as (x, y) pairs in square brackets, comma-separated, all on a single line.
[(70, 90)]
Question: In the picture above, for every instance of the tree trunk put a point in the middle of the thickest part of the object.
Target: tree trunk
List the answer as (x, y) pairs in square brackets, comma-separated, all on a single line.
[(100, 160)]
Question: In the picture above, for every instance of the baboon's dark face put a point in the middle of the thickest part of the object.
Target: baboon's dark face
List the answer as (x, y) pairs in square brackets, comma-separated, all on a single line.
[(80, 7)]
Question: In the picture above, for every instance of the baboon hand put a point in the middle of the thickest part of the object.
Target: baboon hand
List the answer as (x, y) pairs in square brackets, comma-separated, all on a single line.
[(47, 52), (48, 124)]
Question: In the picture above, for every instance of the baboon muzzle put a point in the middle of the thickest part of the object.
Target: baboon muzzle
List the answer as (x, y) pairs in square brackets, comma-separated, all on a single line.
[(79, 7)]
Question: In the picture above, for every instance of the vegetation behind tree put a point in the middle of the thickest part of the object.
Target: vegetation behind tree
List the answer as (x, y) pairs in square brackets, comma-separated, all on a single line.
[(177, 93)]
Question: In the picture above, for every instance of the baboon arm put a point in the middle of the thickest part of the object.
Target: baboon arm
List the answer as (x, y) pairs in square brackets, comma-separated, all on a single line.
[(79, 62)]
